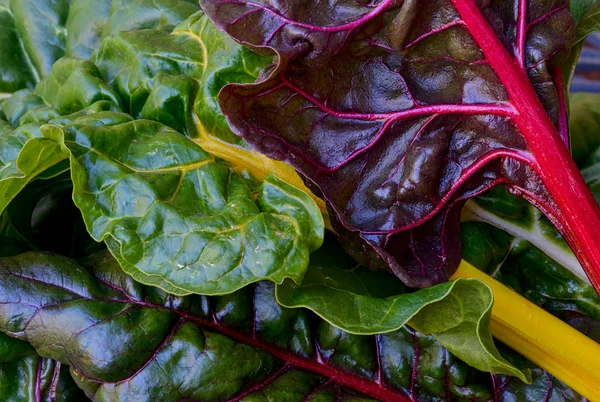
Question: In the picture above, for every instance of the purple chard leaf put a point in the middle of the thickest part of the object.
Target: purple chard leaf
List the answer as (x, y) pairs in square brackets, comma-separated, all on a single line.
[(398, 111)]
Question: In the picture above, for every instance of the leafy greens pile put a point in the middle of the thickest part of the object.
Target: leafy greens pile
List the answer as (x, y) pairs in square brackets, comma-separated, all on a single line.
[(148, 253)]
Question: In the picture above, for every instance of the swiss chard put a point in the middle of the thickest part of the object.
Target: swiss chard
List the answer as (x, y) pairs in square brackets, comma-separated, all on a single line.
[(24, 376), (184, 204), (398, 111), (526, 223), (126, 341)]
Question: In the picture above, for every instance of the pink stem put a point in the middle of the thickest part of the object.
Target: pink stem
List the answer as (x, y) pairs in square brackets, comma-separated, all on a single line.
[(576, 215)]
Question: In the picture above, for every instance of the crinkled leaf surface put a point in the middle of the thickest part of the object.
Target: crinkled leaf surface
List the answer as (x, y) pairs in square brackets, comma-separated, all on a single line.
[(178, 219), (394, 112), (125, 341), (72, 90), (36, 33), (172, 214), (191, 64)]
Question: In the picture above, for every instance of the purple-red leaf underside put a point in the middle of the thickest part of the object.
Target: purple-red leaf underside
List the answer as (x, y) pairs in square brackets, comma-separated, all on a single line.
[(397, 111)]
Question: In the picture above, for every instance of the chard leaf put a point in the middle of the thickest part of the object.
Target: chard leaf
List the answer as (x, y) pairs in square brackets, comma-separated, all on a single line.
[(584, 123), (125, 341), (41, 28), (189, 67), (127, 15), (36, 33), (23, 155), (16, 71), (74, 89), (24, 376), (176, 218), (398, 111), (543, 388), (521, 220), (44, 217), (587, 17), (579, 9), (216, 237), (528, 270), (362, 302), (85, 26)]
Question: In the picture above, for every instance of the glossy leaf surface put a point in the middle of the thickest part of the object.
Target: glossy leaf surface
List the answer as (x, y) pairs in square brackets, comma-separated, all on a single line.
[(74, 86), (397, 114), (363, 302), (172, 214), (176, 218), (26, 377), (522, 220), (243, 345), (36, 33)]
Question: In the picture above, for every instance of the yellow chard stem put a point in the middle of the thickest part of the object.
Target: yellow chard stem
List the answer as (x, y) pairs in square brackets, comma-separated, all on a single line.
[(548, 342), (257, 165), (542, 338)]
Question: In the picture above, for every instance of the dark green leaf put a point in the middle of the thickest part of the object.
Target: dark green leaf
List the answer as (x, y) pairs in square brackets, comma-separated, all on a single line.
[(128, 15), (85, 26), (585, 127), (543, 388), (41, 28), (363, 302), (73, 86), (44, 217), (16, 71), (128, 342), (516, 216), (26, 377)]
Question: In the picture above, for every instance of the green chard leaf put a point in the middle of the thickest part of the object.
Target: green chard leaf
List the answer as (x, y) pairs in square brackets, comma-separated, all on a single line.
[(36, 33), (184, 79), (359, 301), (585, 123), (16, 71), (587, 17), (584, 128), (172, 214), (175, 77), (176, 218), (25, 377), (528, 270), (125, 341), (44, 217), (543, 387), (73, 86), (586, 14)]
